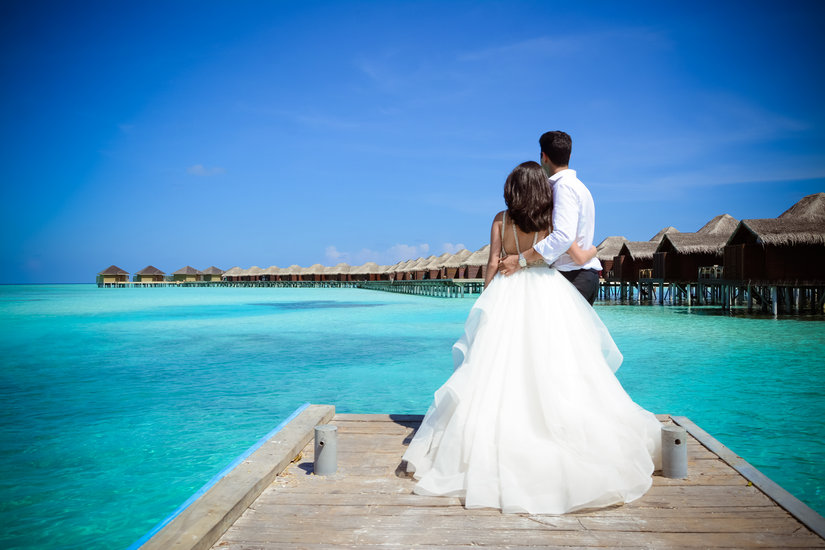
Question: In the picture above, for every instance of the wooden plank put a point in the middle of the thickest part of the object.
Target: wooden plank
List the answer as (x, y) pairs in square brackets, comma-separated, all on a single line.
[(378, 531), (369, 503), (799, 509)]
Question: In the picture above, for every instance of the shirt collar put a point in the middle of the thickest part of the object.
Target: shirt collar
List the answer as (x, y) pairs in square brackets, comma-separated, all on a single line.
[(558, 175)]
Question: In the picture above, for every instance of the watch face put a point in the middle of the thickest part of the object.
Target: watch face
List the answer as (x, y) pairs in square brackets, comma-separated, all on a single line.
[(522, 262)]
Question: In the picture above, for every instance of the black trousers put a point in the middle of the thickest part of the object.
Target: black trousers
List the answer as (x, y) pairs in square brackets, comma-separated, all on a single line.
[(586, 282)]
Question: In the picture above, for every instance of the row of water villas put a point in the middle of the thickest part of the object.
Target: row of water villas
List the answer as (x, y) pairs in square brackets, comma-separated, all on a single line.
[(776, 264), (448, 275), (463, 265)]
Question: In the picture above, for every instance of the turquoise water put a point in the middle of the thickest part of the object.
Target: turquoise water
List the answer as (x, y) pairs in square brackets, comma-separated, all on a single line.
[(121, 403)]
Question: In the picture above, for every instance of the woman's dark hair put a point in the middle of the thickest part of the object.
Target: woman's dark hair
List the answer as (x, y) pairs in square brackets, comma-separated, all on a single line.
[(529, 198)]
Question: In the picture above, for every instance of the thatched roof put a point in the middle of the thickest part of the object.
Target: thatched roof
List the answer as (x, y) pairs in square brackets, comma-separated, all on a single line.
[(188, 270), (609, 247), (781, 231), (212, 270), (150, 270), (639, 250), (315, 269), (418, 262), (339, 268), (710, 239), (424, 264), (479, 257), (113, 270), (693, 243), (233, 272), (723, 225), (255, 270), (294, 269), (404, 266), (666, 230), (456, 259), (435, 262), (369, 267), (272, 270), (394, 267), (810, 208)]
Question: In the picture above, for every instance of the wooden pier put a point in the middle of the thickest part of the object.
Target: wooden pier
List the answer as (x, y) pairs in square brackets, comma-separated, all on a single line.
[(724, 503), (439, 288), (706, 291)]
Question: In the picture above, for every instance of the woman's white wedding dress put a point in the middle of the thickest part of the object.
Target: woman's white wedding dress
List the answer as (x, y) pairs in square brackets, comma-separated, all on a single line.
[(533, 418)]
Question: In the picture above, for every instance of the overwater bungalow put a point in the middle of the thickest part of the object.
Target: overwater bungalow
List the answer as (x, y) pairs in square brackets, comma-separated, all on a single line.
[(435, 267), (634, 256), (424, 268), (315, 272), (411, 268), (366, 272), (211, 274), (451, 269), (789, 250), (112, 274), (186, 274), (293, 273), (149, 274), (402, 271), (232, 274), (475, 265), (384, 272), (771, 251), (421, 269), (606, 251), (254, 273), (272, 273), (680, 255), (339, 272)]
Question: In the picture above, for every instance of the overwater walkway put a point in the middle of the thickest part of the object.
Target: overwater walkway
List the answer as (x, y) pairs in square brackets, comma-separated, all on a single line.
[(724, 503)]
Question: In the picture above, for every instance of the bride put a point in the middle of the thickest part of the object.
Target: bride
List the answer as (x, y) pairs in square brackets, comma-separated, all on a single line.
[(533, 418)]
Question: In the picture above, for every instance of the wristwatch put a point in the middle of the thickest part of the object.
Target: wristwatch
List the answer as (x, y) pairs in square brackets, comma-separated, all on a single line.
[(522, 261)]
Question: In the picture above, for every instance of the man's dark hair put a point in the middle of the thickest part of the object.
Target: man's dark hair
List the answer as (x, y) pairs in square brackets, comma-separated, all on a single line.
[(529, 198), (557, 146)]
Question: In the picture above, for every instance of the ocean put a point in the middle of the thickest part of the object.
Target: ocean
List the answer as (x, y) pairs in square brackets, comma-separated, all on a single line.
[(118, 404)]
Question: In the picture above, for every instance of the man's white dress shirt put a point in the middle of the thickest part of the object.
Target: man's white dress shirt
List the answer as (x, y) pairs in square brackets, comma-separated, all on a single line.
[(574, 218)]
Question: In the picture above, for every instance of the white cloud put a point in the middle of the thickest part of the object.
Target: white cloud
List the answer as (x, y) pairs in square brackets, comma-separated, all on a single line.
[(400, 252), (452, 248), (201, 170), (393, 254), (333, 255)]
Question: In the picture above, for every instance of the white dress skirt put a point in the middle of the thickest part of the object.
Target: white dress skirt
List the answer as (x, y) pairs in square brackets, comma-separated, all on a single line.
[(533, 418)]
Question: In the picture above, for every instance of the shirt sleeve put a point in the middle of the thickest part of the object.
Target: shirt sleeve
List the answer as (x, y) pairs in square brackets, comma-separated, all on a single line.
[(565, 222)]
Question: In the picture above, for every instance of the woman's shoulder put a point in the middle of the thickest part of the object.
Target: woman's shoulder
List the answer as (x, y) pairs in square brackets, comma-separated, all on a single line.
[(499, 217)]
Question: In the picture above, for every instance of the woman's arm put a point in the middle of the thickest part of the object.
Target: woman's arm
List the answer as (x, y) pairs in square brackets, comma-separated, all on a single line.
[(495, 249), (580, 256)]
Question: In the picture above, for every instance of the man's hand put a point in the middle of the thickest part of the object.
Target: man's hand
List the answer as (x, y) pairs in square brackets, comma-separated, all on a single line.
[(508, 264)]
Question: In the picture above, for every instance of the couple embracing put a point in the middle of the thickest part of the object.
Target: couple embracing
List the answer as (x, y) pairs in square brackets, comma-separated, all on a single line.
[(533, 418)]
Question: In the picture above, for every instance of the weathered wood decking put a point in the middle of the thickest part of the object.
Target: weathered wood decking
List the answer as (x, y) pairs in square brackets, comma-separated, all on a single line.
[(369, 502)]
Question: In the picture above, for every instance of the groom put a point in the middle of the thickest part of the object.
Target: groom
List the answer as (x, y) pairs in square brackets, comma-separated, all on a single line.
[(573, 220)]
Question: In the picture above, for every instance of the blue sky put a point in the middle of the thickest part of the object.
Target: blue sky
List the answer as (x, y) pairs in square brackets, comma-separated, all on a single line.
[(279, 133)]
